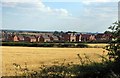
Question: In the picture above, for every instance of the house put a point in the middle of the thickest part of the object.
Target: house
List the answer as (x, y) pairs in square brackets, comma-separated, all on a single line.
[(103, 37), (92, 38), (99, 37), (19, 38), (66, 37), (9, 37), (72, 37), (53, 38), (107, 37), (60, 38), (69, 37), (43, 38), (87, 37), (30, 39), (6, 36), (78, 37), (0, 36)]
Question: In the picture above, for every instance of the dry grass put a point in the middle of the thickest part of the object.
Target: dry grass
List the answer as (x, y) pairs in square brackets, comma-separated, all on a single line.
[(39, 56), (97, 45)]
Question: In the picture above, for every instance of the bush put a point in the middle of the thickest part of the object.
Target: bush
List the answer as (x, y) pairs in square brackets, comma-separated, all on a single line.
[(73, 45), (81, 45)]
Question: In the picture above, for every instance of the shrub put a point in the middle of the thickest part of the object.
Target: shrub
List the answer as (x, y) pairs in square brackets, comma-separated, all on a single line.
[(78, 45)]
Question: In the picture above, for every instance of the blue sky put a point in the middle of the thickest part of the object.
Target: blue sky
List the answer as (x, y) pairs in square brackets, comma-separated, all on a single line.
[(81, 16)]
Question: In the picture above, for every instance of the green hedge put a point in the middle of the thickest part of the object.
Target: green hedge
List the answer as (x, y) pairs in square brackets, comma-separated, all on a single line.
[(73, 45)]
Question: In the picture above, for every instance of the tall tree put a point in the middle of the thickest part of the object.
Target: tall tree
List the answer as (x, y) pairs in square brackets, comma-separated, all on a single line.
[(114, 47)]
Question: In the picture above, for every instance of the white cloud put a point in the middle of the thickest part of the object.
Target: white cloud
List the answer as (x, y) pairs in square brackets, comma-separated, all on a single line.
[(101, 14), (101, 0), (36, 4), (8, 4), (59, 1), (21, 1), (91, 1), (80, 0)]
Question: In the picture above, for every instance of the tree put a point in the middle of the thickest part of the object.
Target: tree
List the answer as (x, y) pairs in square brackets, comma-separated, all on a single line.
[(107, 32), (114, 47)]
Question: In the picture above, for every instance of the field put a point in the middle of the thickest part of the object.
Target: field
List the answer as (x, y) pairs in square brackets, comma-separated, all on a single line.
[(35, 57), (97, 45)]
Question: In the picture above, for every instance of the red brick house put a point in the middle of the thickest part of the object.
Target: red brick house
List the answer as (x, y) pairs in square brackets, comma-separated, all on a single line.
[(92, 38), (78, 37), (2, 37), (66, 37), (72, 37), (30, 38), (53, 38), (19, 38), (43, 38), (87, 37), (60, 38), (5, 36), (103, 37), (9, 37), (107, 37)]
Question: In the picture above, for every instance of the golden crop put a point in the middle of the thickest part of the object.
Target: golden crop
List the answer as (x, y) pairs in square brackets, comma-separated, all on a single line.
[(35, 56)]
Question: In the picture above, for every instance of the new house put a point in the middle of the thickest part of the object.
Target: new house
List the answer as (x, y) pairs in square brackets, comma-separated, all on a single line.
[(30, 39), (19, 38), (43, 38)]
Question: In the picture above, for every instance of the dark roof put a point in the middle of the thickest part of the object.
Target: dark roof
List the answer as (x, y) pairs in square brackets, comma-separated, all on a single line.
[(99, 35), (103, 35), (54, 37), (45, 37), (86, 35), (31, 37), (20, 37)]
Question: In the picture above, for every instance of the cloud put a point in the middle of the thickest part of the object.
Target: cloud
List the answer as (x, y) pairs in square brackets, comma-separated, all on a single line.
[(101, 12), (32, 1), (9, 4), (21, 1), (35, 4), (98, 1)]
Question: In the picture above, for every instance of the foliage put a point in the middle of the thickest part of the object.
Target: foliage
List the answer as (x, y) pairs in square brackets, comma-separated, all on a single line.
[(114, 47), (73, 45)]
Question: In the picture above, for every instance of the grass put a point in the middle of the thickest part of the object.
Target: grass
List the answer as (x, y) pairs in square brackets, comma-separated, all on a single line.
[(100, 45), (35, 57)]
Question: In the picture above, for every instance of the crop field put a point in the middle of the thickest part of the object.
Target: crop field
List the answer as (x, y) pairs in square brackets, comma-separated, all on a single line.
[(34, 57), (97, 45)]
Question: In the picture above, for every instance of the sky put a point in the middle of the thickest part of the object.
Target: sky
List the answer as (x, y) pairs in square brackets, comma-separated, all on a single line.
[(58, 15)]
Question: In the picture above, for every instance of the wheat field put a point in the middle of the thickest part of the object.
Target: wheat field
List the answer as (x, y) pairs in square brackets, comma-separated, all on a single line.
[(35, 56)]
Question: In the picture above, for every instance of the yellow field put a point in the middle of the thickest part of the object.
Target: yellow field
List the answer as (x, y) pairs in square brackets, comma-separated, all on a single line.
[(97, 45), (35, 57)]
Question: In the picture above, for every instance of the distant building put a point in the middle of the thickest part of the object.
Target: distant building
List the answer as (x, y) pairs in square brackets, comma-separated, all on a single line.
[(72, 37), (25, 36), (10, 37), (78, 37), (87, 37), (53, 38), (30, 39), (43, 38), (66, 37), (19, 38), (69, 37), (60, 38)]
